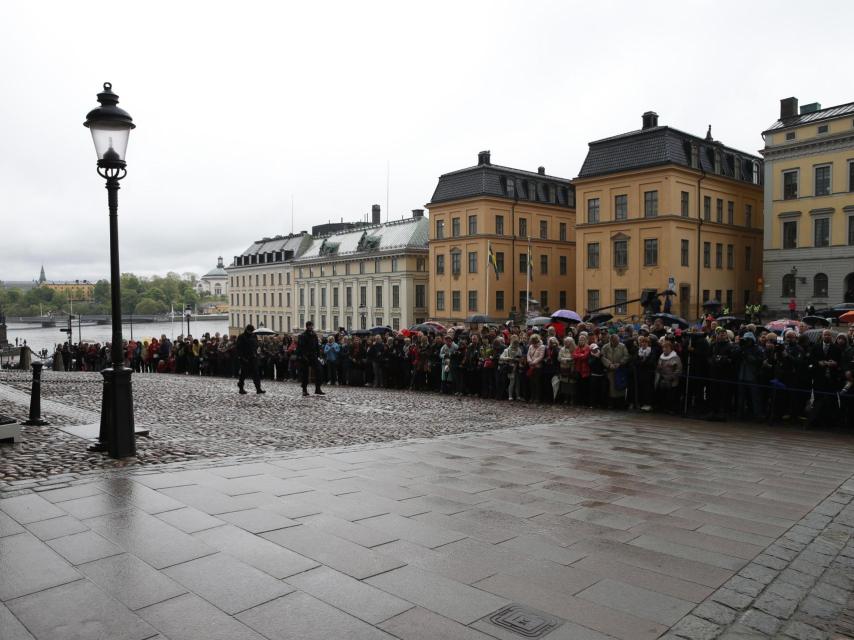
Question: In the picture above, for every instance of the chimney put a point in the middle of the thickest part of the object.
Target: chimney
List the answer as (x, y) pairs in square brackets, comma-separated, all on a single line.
[(483, 157), (375, 214), (812, 107), (788, 108), (541, 171), (418, 213), (650, 120)]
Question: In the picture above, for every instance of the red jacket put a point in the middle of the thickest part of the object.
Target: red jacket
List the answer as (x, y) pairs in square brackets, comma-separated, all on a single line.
[(581, 356)]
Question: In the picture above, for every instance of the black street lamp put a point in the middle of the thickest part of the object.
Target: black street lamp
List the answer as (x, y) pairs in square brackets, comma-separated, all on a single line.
[(110, 127)]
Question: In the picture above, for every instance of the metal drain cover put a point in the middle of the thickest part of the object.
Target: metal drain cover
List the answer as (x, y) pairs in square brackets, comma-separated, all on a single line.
[(528, 623)]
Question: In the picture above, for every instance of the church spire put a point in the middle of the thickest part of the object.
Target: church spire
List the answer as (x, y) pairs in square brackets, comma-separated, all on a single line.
[(42, 278)]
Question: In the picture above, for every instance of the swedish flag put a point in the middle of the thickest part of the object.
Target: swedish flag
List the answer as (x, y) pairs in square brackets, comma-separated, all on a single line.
[(493, 261)]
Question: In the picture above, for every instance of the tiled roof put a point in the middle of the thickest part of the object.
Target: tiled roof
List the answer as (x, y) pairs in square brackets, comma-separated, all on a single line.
[(399, 234), (815, 116), (290, 242), (662, 145), (492, 180)]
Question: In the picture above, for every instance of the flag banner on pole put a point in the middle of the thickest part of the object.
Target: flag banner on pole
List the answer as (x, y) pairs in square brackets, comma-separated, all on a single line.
[(492, 261)]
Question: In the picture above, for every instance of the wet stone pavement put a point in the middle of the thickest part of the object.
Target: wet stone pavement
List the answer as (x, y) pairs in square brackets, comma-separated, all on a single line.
[(583, 526)]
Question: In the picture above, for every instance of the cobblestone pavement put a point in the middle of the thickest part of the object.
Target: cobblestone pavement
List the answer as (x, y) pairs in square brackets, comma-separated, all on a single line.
[(596, 527), (194, 418)]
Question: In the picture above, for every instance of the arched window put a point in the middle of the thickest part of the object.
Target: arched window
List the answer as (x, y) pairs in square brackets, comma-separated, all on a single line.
[(788, 285), (819, 285)]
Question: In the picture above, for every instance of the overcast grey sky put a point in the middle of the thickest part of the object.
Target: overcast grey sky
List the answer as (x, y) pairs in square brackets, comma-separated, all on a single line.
[(240, 106)]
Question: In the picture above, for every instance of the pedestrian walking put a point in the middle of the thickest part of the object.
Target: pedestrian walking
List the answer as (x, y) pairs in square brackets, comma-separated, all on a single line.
[(247, 354), (308, 350)]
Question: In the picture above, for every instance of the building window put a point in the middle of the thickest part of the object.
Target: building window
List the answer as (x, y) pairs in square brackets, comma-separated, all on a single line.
[(472, 225), (823, 128), (748, 257), (650, 204), (685, 204), (395, 296), (440, 264), (455, 300), (748, 216), (420, 296), (729, 299), (650, 252), (455, 227), (620, 297), (593, 210), (421, 264), (544, 264), (395, 324), (348, 296), (790, 135), (394, 265), (850, 231), (562, 263), (523, 263), (377, 265), (499, 301), (440, 301), (335, 297), (323, 297), (719, 256), (684, 248), (822, 180), (851, 175), (472, 300), (440, 229), (790, 185), (472, 261), (621, 254), (730, 212), (523, 300), (592, 299), (707, 255), (499, 261), (363, 296), (311, 297), (822, 232), (544, 230), (288, 278), (562, 299), (790, 234), (819, 285), (707, 208), (456, 259), (544, 300), (363, 322), (499, 225), (523, 228), (719, 211), (378, 321), (361, 267), (378, 296), (730, 256), (621, 207), (562, 232), (706, 297), (789, 285), (593, 255), (264, 279)]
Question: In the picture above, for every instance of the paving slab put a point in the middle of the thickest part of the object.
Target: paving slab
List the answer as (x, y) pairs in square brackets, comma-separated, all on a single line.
[(131, 581), (28, 565), (189, 617)]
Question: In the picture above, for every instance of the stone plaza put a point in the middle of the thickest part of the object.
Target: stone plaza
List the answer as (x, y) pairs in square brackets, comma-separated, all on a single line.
[(391, 514)]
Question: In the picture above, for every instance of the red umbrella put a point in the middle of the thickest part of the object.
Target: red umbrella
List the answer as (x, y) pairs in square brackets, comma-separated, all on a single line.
[(847, 317), (781, 325)]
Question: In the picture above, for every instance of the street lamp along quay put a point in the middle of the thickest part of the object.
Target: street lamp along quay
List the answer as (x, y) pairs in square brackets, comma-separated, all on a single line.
[(110, 127)]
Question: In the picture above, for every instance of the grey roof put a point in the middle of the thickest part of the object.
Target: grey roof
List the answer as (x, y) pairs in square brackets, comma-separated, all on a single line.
[(289, 242), (659, 146), (409, 233), (215, 273), (492, 180), (846, 109)]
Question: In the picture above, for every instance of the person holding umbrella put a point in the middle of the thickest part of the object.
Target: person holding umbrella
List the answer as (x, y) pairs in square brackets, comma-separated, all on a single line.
[(247, 354)]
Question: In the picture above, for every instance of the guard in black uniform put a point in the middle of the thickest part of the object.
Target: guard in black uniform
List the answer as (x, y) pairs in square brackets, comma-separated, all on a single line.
[(308, 350), (247, 355)]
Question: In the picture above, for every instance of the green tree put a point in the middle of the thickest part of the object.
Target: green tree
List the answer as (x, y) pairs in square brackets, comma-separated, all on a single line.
[(147, 307)]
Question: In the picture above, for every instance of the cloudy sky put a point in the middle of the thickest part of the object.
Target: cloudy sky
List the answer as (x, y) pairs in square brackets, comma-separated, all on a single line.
[(241, 107)]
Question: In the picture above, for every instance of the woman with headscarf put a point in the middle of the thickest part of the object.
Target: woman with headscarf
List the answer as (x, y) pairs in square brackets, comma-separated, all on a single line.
[(535, 357), (668, 375), (566, 367), (510, 364), (581, 364)]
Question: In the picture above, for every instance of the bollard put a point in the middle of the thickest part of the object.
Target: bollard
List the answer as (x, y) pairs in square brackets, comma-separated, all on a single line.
[(36, 398)]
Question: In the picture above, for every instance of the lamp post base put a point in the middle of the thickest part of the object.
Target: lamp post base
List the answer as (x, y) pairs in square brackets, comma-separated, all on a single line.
[(117, 432)]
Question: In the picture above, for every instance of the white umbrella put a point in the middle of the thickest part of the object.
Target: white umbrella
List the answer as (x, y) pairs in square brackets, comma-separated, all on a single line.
[(264, 331)]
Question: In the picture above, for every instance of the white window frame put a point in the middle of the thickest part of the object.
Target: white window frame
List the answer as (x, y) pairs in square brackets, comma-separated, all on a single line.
[(815, 169)]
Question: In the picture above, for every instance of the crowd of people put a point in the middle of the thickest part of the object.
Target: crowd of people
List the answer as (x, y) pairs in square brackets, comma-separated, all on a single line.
[(745, 372)]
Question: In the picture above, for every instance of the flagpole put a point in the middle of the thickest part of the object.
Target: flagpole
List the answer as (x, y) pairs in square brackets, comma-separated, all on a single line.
[(528, 282), (488, 265)]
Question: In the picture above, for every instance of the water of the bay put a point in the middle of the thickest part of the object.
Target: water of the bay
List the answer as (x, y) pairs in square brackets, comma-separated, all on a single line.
[(39, 338)]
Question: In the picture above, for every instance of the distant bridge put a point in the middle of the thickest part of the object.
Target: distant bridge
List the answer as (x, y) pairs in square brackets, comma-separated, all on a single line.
[(53, 321)]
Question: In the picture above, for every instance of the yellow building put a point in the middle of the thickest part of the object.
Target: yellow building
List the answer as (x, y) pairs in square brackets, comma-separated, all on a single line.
[(809, 206), (511, 211), (76, 290), (260, 284), (661, 208)]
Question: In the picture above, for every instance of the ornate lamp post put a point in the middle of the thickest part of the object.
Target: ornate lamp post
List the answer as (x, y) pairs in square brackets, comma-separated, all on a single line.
[(110, 127)]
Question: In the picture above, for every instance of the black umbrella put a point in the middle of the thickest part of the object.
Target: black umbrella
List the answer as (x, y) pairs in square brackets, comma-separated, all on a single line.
[(425, 328), (477, 319), (727, 321), (669, 319), (711, 304), (816, 321), (378, 331), (599, 317), (814, 335)]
